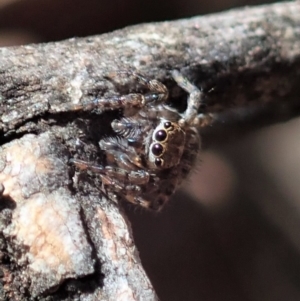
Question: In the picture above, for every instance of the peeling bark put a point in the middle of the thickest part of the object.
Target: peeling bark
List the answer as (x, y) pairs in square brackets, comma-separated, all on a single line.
[(61, 239)]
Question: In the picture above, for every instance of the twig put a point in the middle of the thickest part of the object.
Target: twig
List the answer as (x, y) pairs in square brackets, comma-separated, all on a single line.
[(55, 243)]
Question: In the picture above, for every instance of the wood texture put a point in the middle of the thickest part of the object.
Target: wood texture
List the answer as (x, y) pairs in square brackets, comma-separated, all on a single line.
[(60, 238)]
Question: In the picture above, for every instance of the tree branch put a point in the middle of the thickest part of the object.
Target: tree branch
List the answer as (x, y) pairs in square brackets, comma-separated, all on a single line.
[(59, 235)]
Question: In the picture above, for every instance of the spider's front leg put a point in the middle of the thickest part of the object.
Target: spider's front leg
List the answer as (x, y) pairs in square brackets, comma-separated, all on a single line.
[(124, 175), (119, 153), (158, 92), (110, 174), (124, 183), (129, 101), (194, 101)]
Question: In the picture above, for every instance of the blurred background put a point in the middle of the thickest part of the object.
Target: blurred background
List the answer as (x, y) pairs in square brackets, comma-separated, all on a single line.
[(231, 233)]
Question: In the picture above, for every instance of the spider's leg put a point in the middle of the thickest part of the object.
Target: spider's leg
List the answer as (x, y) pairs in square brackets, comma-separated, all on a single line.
[(127, 127), (124, 176), (84, 165), (134, 100), (120, 181), (2, 188), (128, 166), (195, 97), (124, 155), (132, 129), (158, 91), (136, 128), (114, 175), (133, 196)]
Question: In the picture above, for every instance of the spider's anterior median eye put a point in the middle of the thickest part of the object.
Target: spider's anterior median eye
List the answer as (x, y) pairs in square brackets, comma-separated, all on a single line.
[(157, 149), (158, 162), (161, 135)]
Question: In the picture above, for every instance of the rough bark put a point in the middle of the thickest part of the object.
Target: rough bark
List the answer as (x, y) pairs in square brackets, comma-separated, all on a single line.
[(61, 239)]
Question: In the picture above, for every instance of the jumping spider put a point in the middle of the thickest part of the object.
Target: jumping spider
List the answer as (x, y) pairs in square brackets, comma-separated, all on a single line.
[(155, 146)]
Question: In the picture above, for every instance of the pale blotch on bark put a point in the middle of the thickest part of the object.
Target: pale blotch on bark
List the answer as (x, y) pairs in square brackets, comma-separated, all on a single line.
[(46, 221), (54, 240)]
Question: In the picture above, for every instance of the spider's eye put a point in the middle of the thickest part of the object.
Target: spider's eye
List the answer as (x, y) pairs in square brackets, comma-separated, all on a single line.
[(158, 162), (168, 125), (157, 149), (161, 135)]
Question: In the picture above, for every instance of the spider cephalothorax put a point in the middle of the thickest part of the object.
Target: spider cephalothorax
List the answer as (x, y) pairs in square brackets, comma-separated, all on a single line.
[(155, 146), (167, 145)]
